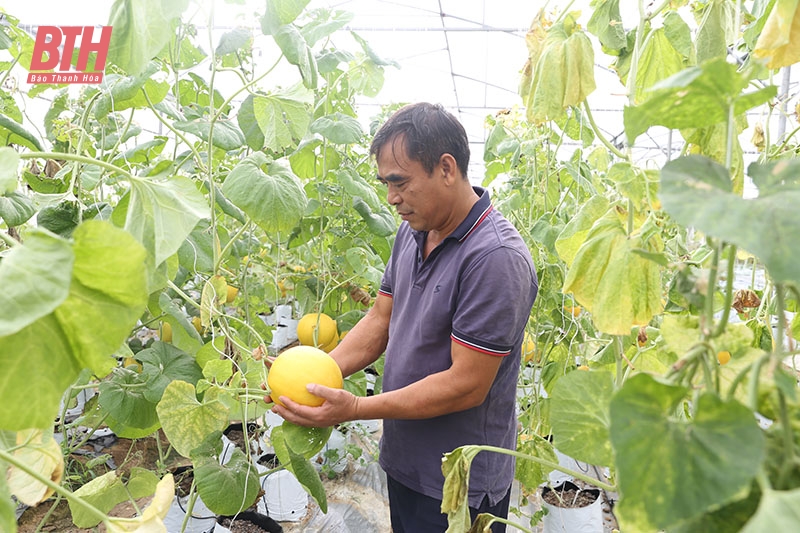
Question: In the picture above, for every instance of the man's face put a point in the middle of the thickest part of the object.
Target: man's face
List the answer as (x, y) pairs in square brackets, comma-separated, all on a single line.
[(417, 195)]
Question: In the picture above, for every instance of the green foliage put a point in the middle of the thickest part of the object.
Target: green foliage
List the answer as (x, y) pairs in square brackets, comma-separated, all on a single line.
[(696, 97), (185, 420), (230, 488), (141, 29), (698, 192), (692, 465), (267, 191), (580, 418)]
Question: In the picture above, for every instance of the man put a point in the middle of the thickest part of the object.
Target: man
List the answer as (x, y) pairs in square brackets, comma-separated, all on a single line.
[(450, 316)]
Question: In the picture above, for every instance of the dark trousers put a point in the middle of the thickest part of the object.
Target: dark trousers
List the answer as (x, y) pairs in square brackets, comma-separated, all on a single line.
[(413, 512)]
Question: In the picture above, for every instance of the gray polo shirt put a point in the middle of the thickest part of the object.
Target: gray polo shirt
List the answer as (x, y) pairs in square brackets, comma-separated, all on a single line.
[(477, 289)]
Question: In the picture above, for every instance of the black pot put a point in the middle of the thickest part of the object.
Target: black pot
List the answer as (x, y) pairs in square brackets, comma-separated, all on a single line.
[(261, 520)]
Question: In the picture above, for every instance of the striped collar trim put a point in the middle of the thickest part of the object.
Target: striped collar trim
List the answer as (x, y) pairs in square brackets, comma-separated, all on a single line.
[(477, 223), (477, 214)]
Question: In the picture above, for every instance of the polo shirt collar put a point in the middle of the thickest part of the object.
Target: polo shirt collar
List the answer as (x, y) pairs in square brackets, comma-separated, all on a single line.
[(476, 215)]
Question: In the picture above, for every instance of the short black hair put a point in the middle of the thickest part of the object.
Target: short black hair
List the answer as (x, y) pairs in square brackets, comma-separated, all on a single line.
[(429, 132)]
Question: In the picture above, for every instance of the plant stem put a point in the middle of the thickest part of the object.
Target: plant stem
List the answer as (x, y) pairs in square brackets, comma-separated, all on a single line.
[(737, 381), (659, 9), (49, 513), (245, 87), (79, 158), (711, 289), (189, 505), (230, 242), (599, 134), (497, 519), (183, 295), (753, 397), (212, 190), (10, 241), (178, 134), (549, 464), (780, 148), (788, 441), (8, 70), (726, 307), (620, 355)]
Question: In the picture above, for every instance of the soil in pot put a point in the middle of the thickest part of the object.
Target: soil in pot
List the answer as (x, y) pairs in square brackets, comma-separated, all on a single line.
[(568, 495)]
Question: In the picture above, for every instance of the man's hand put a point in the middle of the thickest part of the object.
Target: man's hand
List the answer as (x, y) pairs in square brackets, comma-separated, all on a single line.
[(339, 406)]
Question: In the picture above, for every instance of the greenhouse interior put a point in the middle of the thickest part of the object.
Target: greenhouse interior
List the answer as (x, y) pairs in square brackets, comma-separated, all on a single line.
[(400, 265)]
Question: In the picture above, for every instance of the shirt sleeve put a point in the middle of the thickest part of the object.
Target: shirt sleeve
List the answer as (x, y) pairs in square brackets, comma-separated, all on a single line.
[(494, 302)]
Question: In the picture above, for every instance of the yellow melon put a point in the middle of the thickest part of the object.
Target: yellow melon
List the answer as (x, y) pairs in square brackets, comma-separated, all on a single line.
[(324, 327), (295, 368)]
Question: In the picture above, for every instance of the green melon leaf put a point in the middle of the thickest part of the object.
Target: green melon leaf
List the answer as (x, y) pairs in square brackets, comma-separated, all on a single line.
[(307, 475), (691, 465), (296, 51), (161, 213), (8, 517), (305, 441), (9, 165), (338, 128), (574, 233), (381, 223), (777, 511), (695, 97), (579, 416), (124, 399), (283, 116), (606, 24), (162, 364), (34, 280), (141, 30), (716, 31), (248, 123), (268, 192), (696, 191), (16, 209), (355, 185), (530, 473), (13, 133), (107, 290), (226, 134), (280, 12), (125, 92), (186, 421), (230, 488)]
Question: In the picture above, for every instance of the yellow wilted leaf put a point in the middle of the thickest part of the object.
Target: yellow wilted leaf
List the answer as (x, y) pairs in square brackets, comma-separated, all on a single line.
[(780, 39), (152, 519), (534, 40), (455, 467), (215, 293), (562, 74), (41, 453), (618, 286)]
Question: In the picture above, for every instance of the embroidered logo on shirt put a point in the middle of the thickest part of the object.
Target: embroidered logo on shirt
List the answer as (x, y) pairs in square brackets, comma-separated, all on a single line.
[(436, 288)]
